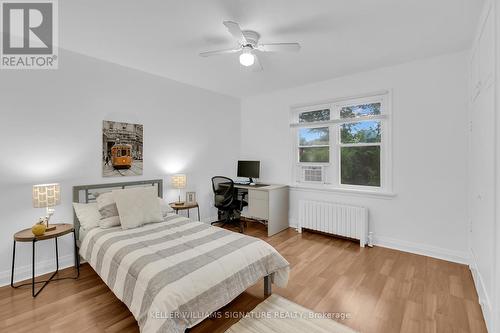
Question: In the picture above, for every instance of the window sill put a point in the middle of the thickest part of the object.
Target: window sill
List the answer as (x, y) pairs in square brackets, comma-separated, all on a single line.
[(344, 191)]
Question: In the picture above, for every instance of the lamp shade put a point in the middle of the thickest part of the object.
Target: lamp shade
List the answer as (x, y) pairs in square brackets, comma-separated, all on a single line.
[(46, 195), (179, 181)]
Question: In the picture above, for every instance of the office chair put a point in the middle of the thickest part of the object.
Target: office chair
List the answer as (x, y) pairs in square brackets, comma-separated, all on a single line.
[(227, 203)]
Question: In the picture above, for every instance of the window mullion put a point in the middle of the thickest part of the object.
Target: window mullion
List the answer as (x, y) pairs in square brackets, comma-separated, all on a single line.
[(335, 150), (361, 144), (314, 146)]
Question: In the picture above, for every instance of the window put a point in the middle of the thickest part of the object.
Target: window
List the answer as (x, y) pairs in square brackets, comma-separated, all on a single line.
[(314, 142), (344, 144), (360, 146)]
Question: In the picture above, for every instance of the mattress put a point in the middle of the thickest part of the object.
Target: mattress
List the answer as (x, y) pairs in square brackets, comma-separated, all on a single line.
[(173, 274)]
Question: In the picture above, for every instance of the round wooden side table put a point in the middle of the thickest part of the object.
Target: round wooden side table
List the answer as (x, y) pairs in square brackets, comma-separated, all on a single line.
[(27, 236), (185, 206)]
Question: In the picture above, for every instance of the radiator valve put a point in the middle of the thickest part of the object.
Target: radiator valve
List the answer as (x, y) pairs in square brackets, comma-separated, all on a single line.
[(370, 239)]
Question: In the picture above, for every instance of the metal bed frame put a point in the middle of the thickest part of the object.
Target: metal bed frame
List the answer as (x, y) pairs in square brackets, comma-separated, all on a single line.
[(89, 196)]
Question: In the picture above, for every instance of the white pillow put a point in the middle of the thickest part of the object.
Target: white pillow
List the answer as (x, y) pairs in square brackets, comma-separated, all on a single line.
[(87, 214), (137, 206), (108, 211)]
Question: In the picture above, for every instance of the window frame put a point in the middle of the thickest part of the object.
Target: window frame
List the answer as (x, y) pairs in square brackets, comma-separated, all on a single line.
[(333, 167)]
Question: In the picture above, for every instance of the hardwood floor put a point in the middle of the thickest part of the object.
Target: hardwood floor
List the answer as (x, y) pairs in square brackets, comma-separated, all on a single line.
[(380, 290)]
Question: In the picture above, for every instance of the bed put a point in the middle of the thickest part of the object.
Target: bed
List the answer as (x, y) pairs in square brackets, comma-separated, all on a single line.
[(175, 273)]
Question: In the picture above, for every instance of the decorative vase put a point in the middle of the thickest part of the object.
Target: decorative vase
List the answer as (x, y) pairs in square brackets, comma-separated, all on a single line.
[(38, 229)]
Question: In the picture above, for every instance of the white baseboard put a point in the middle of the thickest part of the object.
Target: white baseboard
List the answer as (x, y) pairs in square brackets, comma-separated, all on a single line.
[(415, 248), (460, 257), (484, 299), (24, 272)]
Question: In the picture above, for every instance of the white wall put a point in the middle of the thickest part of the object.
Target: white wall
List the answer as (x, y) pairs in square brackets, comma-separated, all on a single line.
[(428, 213), (496, 296), (51, 131), (484, 157)]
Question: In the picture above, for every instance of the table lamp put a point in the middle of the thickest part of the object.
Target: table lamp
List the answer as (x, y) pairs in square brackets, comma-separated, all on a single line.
[(47, 196), (179, 182)]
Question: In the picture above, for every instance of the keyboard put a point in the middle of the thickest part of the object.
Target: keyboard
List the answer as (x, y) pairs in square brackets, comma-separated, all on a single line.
[(247, 184)]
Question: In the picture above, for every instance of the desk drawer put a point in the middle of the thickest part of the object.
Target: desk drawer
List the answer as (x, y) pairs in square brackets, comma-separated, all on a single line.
[(259, 195), (258, 204)]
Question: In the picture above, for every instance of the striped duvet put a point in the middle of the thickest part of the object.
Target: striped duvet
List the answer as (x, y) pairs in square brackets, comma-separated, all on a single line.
[(173, 274)]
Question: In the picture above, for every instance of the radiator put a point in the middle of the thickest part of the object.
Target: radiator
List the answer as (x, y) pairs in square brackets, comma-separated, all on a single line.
[(334, 218)]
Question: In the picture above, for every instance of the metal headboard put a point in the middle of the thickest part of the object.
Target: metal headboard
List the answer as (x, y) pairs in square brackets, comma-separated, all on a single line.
[(89, 192)]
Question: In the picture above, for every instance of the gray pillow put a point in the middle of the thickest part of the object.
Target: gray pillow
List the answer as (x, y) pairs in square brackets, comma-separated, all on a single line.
[(109, 211)]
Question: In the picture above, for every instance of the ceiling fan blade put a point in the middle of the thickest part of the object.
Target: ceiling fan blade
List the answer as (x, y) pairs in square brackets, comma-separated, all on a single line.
[(218, 52), (257, 66), (279, 47), (235, 30)]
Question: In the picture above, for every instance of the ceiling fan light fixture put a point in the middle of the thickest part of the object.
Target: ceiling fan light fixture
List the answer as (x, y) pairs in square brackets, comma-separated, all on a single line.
[(248, 46), (247, 58)]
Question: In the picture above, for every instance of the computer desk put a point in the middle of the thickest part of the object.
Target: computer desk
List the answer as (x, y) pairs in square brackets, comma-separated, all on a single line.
[(269, 203)]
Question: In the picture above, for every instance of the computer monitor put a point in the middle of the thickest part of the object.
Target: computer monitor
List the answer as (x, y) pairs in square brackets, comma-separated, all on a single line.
[(249, 169)]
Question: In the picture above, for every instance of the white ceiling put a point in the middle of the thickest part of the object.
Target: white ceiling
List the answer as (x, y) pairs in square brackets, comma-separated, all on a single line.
[(338, 37)]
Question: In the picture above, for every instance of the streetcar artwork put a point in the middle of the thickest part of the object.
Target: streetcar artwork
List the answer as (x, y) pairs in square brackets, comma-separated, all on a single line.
[(121, 156), (122, 145)]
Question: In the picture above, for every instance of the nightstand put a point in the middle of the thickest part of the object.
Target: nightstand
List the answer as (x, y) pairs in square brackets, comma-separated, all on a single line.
[(185, 206), (27, 236)]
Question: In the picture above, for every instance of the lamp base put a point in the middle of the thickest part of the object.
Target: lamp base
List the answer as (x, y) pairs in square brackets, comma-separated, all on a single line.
[(50, 212), (179, 202), (50, 228)]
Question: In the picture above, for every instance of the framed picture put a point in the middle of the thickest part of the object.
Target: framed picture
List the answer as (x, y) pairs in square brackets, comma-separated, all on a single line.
[(121, 149), (190, 197)]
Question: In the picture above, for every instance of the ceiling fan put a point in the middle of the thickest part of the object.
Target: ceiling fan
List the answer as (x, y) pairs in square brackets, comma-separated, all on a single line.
[(248, 44)]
